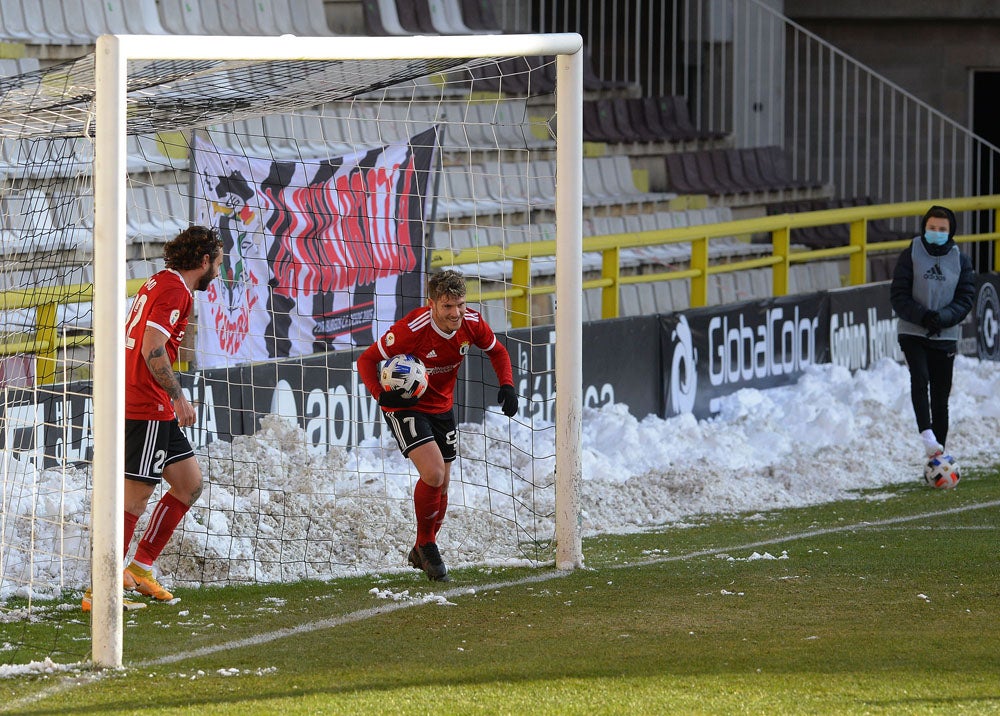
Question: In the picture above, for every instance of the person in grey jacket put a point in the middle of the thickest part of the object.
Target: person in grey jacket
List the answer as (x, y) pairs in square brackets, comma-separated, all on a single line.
[(932, 291)]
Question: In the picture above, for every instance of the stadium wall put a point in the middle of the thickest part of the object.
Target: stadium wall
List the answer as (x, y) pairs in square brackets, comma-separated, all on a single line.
[(662, 365)]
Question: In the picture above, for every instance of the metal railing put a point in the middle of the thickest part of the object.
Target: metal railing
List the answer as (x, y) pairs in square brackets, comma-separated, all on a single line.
[(747, 70), (780, 260), (47, 341)]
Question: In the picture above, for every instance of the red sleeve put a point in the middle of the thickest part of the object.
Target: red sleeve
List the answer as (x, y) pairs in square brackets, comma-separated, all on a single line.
[(501, 363), (368, 369)]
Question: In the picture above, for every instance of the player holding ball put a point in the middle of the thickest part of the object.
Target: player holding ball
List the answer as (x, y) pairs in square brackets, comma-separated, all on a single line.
[(440, 335)]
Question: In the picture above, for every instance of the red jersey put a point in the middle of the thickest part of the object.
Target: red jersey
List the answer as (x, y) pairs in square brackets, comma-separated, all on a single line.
[(163, 303), (442, 353)]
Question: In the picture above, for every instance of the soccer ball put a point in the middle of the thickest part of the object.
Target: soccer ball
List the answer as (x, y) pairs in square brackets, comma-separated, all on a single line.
[(407, 372), (942, 472)]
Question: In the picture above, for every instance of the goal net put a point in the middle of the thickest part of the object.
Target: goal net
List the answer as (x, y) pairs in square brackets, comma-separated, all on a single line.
[(338, 176)]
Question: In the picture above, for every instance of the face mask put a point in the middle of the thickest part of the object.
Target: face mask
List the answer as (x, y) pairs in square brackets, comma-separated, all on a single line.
[(938, 238)]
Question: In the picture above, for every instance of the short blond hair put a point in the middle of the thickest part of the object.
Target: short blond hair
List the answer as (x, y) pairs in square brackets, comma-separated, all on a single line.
[(445, 283)]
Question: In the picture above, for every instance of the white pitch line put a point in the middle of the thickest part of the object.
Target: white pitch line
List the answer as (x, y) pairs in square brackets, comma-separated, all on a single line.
[(363, 614)]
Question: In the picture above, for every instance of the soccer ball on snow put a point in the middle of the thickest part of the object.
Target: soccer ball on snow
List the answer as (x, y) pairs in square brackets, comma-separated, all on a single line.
[(942, 471), (407, 372)]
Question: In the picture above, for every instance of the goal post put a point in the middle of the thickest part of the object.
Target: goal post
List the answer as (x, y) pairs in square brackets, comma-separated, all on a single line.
[(113, 57)]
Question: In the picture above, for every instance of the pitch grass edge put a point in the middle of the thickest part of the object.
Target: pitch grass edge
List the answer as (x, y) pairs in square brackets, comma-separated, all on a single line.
[(456, 592), (367, 613)]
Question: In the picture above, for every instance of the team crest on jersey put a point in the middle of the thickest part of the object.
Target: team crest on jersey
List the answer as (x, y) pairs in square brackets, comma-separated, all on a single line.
[(175, 315), (464, 349), (389, 339)]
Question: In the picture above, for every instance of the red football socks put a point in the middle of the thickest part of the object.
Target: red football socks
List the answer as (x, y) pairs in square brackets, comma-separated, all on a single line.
[(442, 509), (130, 522), (168, 514), (427, 507)]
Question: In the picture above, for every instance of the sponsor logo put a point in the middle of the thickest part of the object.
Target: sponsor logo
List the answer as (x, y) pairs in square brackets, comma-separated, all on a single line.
[(683, 373), (389, 339), (742, 351), (934, 273), (175, 315), (463, 349), (432, 354), (856, 345), (988, 320)]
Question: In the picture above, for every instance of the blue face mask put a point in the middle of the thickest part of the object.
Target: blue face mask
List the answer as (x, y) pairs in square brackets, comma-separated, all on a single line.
[(938, 238)]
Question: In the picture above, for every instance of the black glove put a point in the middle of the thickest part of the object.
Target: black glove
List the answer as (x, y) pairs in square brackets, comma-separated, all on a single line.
[(508, 399), (394, 399), (932, 322)]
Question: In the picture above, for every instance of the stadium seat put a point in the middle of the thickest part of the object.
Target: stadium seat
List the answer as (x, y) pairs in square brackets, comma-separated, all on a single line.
[(138, 17), (322, 131), (446, 17), (73, 215), (628, 300), (45, 19), (142, 268), (258, 18), (137, 219), (478, 15), (169, 208), (634, 130), (141, 17), (381, 18), (721, 289), (455, 239), (415, 17), (182, 17), (20, 66), (660, 116), (459, 194), (495, 312), (679, 177), (211, 18), (762, 282), (599, 123), (504, 124), (308, 17), (13, 24), (26, 224), (513, 184)]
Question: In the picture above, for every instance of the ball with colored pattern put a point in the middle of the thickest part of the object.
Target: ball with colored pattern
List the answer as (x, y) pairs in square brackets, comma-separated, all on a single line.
[(407, 372), (942, 472)]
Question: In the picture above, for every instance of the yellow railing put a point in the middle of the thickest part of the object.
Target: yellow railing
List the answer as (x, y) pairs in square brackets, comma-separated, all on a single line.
[(781, 258), (46, 342)]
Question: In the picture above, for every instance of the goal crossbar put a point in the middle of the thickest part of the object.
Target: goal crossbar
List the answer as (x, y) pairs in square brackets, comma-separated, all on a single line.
[(113, 54)]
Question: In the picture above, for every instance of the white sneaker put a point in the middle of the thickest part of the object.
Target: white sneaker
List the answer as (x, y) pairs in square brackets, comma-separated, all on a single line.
[(931, 445)]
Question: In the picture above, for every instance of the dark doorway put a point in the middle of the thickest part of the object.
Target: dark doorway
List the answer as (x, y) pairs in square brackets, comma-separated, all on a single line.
[(985, 105)]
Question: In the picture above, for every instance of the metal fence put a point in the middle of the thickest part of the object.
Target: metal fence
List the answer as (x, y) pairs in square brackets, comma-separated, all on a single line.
[(747, 70)]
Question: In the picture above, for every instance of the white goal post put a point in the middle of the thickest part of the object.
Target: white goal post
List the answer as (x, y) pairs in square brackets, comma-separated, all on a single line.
[(113, 55)]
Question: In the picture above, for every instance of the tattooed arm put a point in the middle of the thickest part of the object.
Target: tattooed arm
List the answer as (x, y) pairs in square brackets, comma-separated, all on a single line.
[(154, 350)]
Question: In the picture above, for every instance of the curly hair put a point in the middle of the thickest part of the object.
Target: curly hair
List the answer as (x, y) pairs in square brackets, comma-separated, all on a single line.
[(186, 250), (445, 283)]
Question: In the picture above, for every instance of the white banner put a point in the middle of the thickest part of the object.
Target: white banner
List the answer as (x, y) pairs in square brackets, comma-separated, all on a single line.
[(319, 254)]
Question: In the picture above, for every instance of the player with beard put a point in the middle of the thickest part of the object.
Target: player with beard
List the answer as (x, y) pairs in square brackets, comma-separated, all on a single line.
[(440, 334), (155, 407)]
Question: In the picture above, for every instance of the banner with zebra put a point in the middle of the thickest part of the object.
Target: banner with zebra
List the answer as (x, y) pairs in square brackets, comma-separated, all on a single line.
[(319, 254)]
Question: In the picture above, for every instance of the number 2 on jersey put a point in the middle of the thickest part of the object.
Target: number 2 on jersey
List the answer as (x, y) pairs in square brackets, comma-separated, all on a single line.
[(137, 307)]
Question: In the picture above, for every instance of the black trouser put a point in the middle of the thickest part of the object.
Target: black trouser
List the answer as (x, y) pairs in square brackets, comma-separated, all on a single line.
[(930, 381)]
